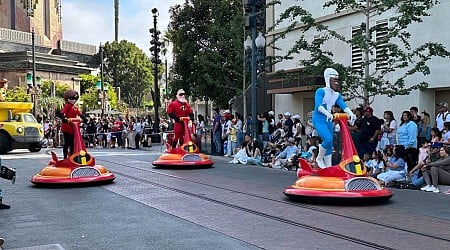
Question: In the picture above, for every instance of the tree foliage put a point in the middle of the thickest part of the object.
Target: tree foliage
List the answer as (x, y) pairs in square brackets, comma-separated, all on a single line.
[(207, 37), (132, 69), (394, 48)]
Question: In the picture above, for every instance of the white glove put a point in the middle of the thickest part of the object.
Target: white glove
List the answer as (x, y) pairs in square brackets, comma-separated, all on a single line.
[(351, 115), (329, 116)]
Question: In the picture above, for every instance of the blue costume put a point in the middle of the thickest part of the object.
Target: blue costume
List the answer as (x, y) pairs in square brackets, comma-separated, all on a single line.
[(322, 118)]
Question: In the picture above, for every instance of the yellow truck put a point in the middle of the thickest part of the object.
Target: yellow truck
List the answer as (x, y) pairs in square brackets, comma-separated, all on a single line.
[(18, 128)]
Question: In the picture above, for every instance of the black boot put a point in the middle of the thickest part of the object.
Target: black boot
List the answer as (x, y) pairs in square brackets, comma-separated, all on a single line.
[(4, 206)]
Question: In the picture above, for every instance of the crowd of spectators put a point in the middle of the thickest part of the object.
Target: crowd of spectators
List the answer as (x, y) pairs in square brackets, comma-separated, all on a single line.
[(404, 152)]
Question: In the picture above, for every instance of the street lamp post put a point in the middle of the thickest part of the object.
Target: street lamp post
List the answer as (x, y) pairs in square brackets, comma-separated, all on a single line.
[(33, 56), (254, 44), (155, 49), (102, 87)]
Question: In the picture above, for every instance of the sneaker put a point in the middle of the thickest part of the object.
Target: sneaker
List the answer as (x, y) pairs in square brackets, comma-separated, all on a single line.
[(425, 188), (432, 189), (435, 189)]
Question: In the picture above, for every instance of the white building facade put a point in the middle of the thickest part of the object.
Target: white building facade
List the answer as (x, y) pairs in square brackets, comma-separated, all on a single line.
[(300, 99)]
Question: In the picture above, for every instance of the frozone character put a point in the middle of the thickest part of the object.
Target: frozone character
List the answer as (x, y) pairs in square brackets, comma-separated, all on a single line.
[(322, 118), (177, 109)]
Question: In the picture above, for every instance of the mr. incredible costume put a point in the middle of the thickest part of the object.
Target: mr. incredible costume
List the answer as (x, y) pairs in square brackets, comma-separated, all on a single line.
[(322, 118), (177, 109)]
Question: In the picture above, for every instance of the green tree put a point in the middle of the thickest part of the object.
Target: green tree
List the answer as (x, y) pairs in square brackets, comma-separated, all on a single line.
[(17, 94), (207, 38), (60, 89), (132, 68), (90, 99), (49, 105), (87, 81), (382, 55)]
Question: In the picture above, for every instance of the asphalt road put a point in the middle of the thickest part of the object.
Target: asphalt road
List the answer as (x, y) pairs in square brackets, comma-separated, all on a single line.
[(224, 207)]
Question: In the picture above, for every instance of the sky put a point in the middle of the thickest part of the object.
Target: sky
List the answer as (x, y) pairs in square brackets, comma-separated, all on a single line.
[(92, 21)]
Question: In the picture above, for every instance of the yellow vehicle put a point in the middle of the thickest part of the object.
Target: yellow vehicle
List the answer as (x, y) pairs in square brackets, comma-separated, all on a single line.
[(18, 128)]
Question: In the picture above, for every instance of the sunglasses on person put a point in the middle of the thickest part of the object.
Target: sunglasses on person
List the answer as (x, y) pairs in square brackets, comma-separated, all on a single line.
[(182, 94), (73, 98)]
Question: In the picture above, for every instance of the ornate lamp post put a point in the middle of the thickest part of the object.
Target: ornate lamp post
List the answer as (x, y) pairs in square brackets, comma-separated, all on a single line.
[(155, 49), (254, 45)]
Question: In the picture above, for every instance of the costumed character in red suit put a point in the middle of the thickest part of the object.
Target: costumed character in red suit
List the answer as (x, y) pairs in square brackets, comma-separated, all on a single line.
[(176, 109), (69, 111)]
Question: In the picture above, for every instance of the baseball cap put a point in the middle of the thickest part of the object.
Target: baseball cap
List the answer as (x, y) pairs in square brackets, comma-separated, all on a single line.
[(287, 113), (443, 104), (296, 117), (291, 140), (271, 113), (226, 111), (368, 109)]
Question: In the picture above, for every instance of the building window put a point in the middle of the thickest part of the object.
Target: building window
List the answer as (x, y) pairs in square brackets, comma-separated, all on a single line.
[(382, 53), (357, 56)]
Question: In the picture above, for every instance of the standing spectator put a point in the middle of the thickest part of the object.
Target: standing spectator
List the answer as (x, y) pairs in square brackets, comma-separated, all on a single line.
[(355, 131), (138, 131), (288, 123), (424, 127), (407, 136), (217, 131), (310, 130), (200, 131), (442, 116), (281, 121), (415, 114), (370, 129), (389, 130), (264, 121), (239, 128), (118, 130), (131, 134)]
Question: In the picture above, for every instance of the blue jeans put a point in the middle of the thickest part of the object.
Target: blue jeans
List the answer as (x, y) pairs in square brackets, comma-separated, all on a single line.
[(217, 143), (416, 180)]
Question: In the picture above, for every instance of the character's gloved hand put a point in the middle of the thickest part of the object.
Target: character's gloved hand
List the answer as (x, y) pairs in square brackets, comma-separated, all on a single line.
[(351, 115), (64, 120), (327, 113), (329, 117), (177, 119)]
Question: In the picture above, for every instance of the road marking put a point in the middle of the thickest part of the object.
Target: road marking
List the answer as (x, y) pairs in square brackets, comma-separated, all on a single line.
[(42, 247)]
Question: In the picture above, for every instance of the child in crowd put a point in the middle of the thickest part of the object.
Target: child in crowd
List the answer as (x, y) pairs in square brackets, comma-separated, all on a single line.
[(376, 164), (424, 157)]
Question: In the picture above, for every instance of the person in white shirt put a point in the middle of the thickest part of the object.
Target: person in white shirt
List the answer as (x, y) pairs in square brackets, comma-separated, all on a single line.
[(442, 116), (138, 131)]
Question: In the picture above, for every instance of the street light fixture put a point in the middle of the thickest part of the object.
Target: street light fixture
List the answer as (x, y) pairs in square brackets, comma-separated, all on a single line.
[(255, 49), (155, 49)]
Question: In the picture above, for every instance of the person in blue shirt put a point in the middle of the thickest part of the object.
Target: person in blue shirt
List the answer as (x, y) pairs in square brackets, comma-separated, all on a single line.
[(281, 159), (322, 118)]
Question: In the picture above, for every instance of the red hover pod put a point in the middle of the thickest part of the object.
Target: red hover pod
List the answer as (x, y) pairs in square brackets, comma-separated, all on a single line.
[(79, 168), (346, 182), (186, 155)]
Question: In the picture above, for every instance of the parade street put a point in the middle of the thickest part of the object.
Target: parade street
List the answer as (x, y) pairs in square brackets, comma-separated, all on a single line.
[(227, 206)]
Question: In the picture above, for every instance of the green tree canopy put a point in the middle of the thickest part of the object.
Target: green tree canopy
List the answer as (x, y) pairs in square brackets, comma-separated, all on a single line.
[(207, 37), (132, 69), (382, 55)]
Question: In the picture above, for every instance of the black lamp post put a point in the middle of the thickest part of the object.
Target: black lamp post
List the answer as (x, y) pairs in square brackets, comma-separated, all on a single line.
[(155, 49), (253, 44)]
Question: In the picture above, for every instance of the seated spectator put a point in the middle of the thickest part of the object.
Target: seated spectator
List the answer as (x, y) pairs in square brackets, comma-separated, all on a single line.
[(280, 161), (437, 172), (415, 174), (376, 164), (248, 154), (395, 166)]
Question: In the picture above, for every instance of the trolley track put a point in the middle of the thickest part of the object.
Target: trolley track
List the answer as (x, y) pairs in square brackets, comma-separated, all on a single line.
[(269, 216)]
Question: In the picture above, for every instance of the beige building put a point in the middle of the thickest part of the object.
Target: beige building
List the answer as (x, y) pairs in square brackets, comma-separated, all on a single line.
[(296, 95)]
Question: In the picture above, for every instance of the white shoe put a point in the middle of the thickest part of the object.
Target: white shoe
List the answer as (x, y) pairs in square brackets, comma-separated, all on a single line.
[(433, 189), (320, 160), (425, 188)]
